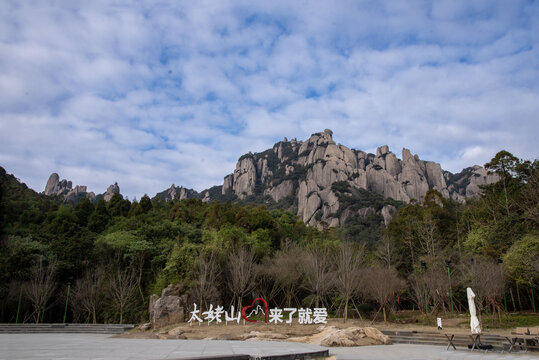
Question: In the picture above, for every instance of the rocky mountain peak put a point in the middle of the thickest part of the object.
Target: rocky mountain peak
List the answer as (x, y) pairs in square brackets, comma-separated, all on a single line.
[(319, 175), (64, 188), (177, 193), (111, 190)]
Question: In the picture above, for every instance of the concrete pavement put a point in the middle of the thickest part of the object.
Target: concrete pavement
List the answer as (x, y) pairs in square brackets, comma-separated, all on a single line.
[(103, 347), (423, 352)]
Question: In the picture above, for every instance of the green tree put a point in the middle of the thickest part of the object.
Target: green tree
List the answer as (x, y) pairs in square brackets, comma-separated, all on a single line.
[(83, 211), (146, 203), (504, 164), (118, 206), (100, 218), (521, 260)]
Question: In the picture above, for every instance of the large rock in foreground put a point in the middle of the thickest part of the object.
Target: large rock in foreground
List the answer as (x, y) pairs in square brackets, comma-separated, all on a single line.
[(169, 308), (352, 336)]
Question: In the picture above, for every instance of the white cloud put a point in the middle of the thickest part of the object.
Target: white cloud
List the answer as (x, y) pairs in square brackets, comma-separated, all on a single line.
[(149, 94)]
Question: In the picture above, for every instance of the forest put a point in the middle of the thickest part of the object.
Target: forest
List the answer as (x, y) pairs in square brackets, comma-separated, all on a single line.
[(108, 258)]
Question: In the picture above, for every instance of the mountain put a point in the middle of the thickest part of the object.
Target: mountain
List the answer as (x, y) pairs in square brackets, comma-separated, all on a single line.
[(324, 181), (177, 193), (64, 189), (321, 181)]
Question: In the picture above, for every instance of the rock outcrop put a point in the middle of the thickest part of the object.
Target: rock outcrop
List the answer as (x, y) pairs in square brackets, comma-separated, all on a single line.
[(111, 190), (64, 188), (466, 183), (177, 193), (304, 175), (169, 308)]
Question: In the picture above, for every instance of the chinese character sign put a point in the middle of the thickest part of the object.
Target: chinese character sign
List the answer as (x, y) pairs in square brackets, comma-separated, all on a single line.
[(275, 316)]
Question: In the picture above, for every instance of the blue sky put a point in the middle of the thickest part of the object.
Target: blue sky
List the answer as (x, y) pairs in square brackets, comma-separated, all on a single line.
[(150, 93)]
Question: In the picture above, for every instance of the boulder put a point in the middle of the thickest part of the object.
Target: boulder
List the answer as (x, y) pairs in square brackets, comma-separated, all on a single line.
[(177, 331), (145, 326), (169, 308), (375, 334), (351, 336)]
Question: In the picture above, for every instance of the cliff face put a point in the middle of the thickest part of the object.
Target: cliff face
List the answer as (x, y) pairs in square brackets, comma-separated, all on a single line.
[(310, 173)]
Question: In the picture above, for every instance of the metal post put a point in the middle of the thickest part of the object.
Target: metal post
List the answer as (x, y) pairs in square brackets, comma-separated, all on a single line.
[(67, 301), (18, 307)]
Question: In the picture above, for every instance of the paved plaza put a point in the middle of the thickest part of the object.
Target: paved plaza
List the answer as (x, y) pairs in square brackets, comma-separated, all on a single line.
[(422, 352), (103, 347)]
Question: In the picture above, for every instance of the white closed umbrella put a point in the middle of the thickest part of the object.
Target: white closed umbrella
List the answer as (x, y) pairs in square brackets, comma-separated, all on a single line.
[(474, 321)]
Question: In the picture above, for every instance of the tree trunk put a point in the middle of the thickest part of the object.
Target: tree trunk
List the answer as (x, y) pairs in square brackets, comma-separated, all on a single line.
[(121, 314), (512, 299), (532, 299), (346, 309), (518, 297), (384, 311)]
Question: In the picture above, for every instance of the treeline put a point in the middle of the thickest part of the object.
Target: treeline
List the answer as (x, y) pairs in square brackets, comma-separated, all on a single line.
[(491, 243), (115, 255)]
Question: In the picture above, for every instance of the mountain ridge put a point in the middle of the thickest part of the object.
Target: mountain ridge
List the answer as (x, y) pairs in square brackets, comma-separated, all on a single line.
[(321, 181)]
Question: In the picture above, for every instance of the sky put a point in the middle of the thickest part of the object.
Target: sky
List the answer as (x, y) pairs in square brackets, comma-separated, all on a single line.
[(150, 93)]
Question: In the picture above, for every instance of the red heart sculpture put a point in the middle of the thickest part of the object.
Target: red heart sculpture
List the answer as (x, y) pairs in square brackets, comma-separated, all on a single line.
[(245, 308)]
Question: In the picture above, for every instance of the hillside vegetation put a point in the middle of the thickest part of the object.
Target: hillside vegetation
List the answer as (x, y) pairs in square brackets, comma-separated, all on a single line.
[(116, 254)]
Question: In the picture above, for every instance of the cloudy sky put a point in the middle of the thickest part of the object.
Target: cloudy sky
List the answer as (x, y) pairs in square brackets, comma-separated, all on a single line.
[(150, 93)]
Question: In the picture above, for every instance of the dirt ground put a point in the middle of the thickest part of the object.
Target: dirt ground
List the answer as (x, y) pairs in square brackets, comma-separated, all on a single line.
[(240, 331)]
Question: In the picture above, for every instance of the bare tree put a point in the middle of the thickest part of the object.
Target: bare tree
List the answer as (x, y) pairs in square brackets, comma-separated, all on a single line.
[(426, 234), (382, 285), (40, 287), (266, 286), (420, 290), (86, 298), (428, 287), (122, 286), (348, 260), (207, 274), (386, 251), (241, 269), (284, 268), (317, 272), (486, 280)]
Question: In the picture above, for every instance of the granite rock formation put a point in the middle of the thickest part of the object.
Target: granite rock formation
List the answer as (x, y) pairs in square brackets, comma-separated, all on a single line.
[(177, 193), (304, 174), (111, 190), (169, 308), (69, 194), (64, 188)]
